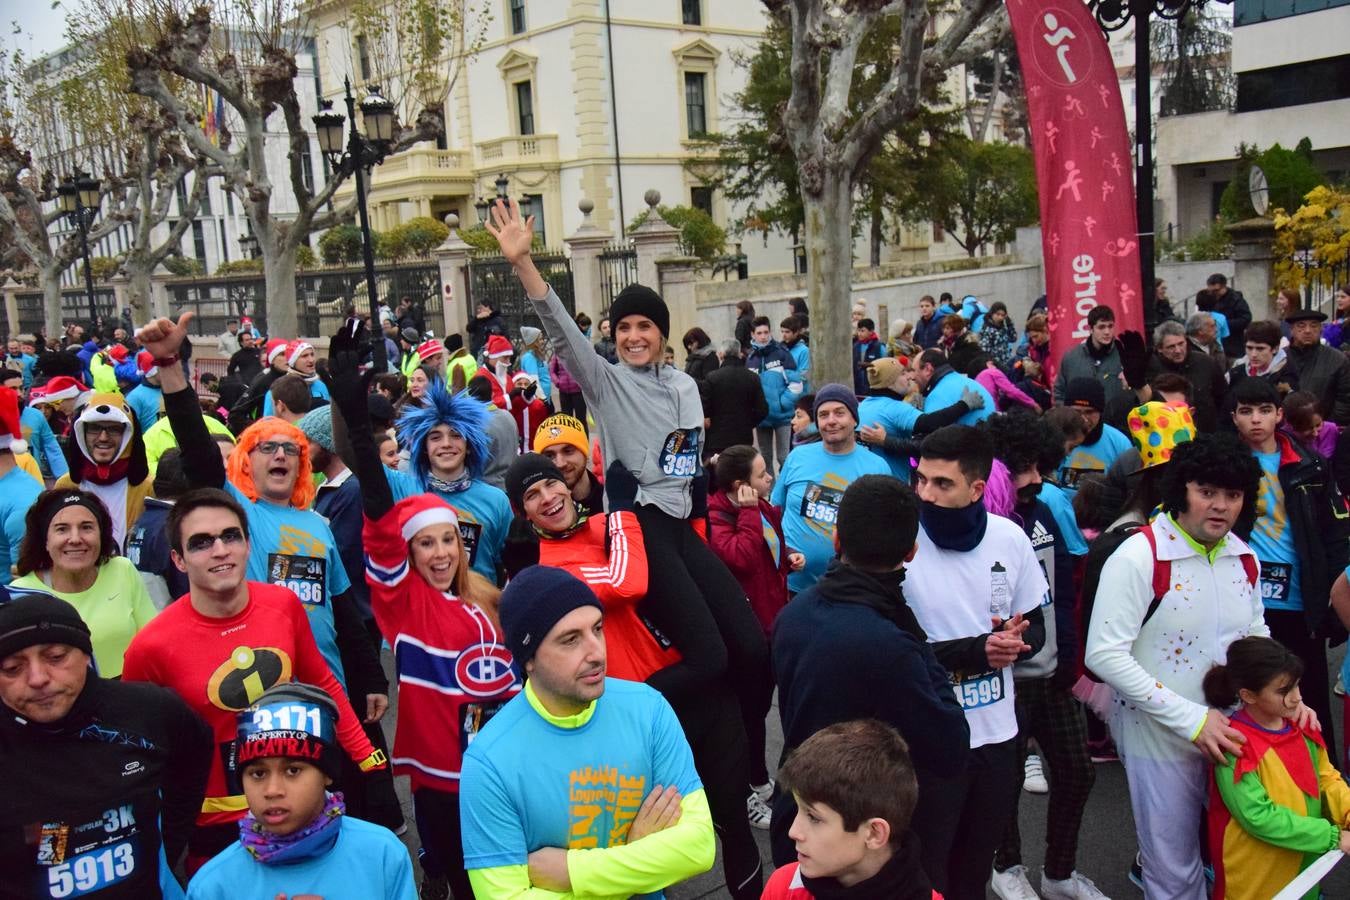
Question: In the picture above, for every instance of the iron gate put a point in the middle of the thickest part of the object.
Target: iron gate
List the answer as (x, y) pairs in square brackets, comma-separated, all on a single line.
[(492, 280), (618, 269)]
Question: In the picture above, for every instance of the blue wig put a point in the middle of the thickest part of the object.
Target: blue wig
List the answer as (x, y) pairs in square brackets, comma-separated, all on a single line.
[(440, 407)]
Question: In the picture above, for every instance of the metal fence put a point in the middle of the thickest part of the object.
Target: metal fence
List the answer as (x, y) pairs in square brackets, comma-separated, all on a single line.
[(74, 308), (492, 280), (618, 269), (323, 296)]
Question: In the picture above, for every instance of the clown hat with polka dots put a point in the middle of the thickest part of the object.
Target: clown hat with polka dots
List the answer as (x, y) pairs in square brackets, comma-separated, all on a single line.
[(1157, 428)]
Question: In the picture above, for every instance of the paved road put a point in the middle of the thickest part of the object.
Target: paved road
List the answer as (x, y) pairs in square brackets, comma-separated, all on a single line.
[(1106, 849)]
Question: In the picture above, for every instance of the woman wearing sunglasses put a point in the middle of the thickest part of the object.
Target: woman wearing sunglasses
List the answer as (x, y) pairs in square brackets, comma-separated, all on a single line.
[(439, 615), (68, 550)]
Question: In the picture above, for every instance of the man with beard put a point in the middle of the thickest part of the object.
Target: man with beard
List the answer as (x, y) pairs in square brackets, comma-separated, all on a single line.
[(1322, 371), (1046, 711), (301, 361), (110, 462), (562, 438), (814, 478)]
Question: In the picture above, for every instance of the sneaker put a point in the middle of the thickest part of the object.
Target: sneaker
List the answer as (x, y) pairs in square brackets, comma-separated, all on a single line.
[(758, 811), (1103, 751), (1339, 689), (1076, 887), (1034, 782), (435, 889), (1137, 871), (1012, 884)]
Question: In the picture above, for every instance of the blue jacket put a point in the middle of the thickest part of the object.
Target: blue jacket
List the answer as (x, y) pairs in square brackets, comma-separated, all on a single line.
[(801, 352), (863, 353), (946, 388), (42, 443), (777, 370), (927, 334)]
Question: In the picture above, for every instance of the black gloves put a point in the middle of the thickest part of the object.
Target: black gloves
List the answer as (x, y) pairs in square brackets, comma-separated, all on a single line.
[(620, 487)]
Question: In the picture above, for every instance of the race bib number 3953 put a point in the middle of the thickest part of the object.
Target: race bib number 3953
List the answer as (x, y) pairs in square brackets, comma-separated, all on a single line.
[(679, 454)]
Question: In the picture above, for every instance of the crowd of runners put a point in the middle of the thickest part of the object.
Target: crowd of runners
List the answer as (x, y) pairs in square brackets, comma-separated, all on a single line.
[(589, 571)]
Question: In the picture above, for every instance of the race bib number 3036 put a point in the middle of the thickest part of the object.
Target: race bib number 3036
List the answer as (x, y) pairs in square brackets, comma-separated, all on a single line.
[(303, 575)]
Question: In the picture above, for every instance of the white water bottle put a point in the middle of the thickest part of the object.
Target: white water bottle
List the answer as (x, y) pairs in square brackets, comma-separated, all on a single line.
[(1000, 592)]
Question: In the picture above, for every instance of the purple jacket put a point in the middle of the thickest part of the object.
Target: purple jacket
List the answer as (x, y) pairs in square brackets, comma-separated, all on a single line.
[(562, 379)]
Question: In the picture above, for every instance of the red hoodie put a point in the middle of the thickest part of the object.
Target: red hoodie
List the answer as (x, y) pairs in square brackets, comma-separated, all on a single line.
[(739, 538)]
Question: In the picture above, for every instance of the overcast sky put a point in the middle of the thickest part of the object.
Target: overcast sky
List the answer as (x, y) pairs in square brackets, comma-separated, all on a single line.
[(42, 28)]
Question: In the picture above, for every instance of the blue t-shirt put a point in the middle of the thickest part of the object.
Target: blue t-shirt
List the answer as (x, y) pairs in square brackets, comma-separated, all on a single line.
[(145, 401), (296, 549), (809, 489), (948, 391), (484, 517), (1094, 457), (1272, 540), (1061, 507), (317, 389), (528, 783), (536, 367), (18, 491), (365, 863), (897, 418), (42, 443)]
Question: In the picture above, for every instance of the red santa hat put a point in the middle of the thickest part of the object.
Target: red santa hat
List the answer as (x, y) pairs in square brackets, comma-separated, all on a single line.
[(294, 349), (427, 349), (62, 387), (274, 347), (145, 364), (118, 352), (11, 432), (420, 510), (527, 377), (245, 322), (499, 346)]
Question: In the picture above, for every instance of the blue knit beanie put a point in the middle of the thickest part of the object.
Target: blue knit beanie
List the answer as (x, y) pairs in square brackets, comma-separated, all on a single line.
[(534, 601), (835, 393), (317, 425)]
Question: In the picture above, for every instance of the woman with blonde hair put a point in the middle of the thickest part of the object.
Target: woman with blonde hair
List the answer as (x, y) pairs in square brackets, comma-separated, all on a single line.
[(901, 341)]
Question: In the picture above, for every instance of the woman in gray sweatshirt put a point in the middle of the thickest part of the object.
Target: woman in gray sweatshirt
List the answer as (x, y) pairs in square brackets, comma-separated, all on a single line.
[(650, 419)]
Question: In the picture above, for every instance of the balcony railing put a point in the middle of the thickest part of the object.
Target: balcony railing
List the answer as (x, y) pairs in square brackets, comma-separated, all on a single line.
[(527, 149)]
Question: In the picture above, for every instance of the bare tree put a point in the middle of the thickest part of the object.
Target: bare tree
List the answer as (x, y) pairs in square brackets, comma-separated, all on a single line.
[(245, 52), (833, 144)]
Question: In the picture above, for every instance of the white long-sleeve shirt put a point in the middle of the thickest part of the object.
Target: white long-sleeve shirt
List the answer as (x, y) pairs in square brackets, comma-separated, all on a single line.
[(1156, 668)]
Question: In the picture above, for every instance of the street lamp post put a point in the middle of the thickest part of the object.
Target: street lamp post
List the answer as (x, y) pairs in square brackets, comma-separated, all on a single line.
[(362, 153), (502, 184), (1113, 15), (79, 196)]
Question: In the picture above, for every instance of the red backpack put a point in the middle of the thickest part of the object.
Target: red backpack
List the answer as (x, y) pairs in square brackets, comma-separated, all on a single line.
[(1102, 548)]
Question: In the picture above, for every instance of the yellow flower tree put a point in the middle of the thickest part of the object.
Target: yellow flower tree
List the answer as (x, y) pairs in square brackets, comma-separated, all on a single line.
[(1312, 244)]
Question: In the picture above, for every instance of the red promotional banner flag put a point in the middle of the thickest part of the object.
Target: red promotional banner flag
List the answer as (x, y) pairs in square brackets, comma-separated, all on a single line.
[(1083, 168)]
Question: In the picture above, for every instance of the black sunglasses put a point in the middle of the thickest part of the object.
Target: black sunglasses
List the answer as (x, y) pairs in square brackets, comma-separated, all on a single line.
[(200, 543)]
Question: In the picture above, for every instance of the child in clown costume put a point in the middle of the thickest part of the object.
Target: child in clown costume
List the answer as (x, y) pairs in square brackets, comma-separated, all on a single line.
[(1279, 804)]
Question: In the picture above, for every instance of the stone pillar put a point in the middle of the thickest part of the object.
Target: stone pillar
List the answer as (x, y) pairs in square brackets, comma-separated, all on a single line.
[(453, 258), (11, 289), (655, 239), (1253, 264), (585, 247), (121, 286), (159, 292), (676, 280)]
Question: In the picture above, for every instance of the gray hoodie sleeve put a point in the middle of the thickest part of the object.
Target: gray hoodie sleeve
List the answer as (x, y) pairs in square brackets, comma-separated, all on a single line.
[(578, 354)]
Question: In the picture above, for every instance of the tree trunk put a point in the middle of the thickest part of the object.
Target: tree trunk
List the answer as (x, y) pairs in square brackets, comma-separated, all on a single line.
[(279, 276), (829, 248), (876, 222), (138, 290)]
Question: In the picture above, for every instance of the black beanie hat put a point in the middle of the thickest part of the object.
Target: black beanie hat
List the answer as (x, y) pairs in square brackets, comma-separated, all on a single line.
[(533, 602), (525, 470), (39, 618), (1085, 392), (305, 728), (868, 501), (640, 300), (454, 342)]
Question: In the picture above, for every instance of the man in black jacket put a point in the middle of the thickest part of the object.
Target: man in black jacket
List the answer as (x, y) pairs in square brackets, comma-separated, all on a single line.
[(1176, 354), (1300, 536), (1217, 297), (244, 364), (1322, 371), (101, 774), (249, 406), (851, 631), (733, 401)]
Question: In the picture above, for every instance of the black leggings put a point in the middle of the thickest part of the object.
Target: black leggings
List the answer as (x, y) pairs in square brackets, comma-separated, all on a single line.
[(442, 854), (712, 725)]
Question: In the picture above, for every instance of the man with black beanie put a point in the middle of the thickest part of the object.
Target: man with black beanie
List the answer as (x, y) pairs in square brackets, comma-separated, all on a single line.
[(105, 773), (578, 761), (1103, 444), (857, 611)]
